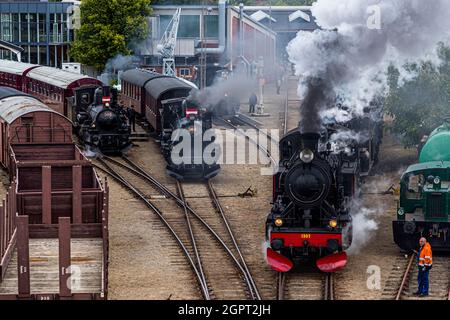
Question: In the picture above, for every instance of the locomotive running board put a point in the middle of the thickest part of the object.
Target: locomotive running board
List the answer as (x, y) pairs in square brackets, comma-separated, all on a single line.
[(333, 262), (278, 262)]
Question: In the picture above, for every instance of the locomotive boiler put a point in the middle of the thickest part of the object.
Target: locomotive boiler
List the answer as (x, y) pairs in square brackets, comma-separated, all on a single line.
[(312, 191)]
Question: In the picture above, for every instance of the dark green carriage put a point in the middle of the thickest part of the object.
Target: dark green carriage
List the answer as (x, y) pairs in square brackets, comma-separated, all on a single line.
[(424, 205)]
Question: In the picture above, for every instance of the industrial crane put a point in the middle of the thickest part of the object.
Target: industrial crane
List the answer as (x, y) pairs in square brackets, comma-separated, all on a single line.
[(166, 46)]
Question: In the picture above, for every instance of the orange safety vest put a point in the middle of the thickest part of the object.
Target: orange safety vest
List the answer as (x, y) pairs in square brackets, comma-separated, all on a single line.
[(426, 256)]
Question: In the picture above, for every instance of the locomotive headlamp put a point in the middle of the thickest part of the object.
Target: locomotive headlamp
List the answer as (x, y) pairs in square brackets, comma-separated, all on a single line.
[(278, 222), (333, 223), (307, 155), (437, 180)]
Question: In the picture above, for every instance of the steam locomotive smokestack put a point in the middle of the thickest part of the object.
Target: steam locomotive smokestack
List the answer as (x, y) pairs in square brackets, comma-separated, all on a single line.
[(310, 141)]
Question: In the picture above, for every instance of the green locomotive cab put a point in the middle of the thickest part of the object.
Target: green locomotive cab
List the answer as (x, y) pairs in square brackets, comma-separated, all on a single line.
[(424, 206)]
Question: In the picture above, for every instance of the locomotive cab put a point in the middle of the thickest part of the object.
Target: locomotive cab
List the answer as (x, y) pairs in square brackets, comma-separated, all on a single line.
[(422, 209)]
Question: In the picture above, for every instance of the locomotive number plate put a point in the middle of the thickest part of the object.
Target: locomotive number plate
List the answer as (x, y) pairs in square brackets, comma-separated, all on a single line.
[(305, 236)]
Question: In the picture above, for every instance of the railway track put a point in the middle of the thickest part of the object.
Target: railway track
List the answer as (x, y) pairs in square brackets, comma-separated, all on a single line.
[(219, 266), (305, 286), (252, 140), (402, 282)]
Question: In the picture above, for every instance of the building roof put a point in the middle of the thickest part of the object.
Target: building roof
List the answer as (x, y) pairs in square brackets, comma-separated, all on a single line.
[(284, 18), (11, 46), (15, 67), (6, 92), (158, 86), (56, 77), (139, 77), (12, 108)]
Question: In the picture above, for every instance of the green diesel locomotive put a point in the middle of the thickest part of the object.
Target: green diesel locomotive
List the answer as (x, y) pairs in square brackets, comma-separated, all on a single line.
[(424, 206)]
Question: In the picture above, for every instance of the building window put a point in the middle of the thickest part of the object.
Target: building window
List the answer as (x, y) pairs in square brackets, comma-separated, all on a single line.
[(211, 26), (33, 54), (5, 27), (15, 27), (189, 25), (185, 72), (42, 28), (32, 19), (24, 27)]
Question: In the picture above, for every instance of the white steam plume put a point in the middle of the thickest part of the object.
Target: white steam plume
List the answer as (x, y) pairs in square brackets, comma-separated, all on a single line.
[(349, 57), (364, 224), (238, 86), (121, 62)]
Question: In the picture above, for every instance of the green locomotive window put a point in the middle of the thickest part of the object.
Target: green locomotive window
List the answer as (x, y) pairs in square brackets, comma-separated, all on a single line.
[(415, 186)]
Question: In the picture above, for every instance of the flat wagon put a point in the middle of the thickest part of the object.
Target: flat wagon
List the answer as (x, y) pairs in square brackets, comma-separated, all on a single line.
[(53, 223)]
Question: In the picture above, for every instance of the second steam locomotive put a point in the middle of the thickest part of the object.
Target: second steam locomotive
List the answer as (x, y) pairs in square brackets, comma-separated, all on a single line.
[(99, 123), (163, 102)]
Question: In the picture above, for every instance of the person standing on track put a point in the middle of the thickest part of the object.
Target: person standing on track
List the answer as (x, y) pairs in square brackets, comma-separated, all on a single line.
[(131, 118), (425, 263), (252, 101)]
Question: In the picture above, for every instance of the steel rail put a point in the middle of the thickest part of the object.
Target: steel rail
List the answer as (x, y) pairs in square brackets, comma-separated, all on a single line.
[(258, 145), (281, 283), (242, 120), (219, 207), (191, 235), (129, 186), (329, 287), (405, 277), (137, 170)]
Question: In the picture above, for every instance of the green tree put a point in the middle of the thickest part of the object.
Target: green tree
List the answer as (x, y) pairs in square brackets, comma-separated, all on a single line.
[(108, 27), (419, 105)]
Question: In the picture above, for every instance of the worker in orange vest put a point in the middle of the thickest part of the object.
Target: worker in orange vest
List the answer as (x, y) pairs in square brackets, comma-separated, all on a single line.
[(425, 263)]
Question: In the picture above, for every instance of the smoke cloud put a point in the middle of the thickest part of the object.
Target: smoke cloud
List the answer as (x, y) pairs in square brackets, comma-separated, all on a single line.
[(364, 224), (121, 62), (238, 86), (343, 139), (349, 57)]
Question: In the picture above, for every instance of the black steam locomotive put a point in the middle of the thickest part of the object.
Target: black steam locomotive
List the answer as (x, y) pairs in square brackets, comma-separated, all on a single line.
[(319, 175), (310, 214), (99, 122), (183, 140), (164, 103)]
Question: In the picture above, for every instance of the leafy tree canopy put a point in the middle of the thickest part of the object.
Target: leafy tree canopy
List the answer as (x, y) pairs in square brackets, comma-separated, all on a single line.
[(107, 27), (420, 104)]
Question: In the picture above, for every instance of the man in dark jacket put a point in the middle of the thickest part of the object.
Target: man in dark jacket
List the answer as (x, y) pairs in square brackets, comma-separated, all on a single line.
[(131, 118), (252, 101)]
